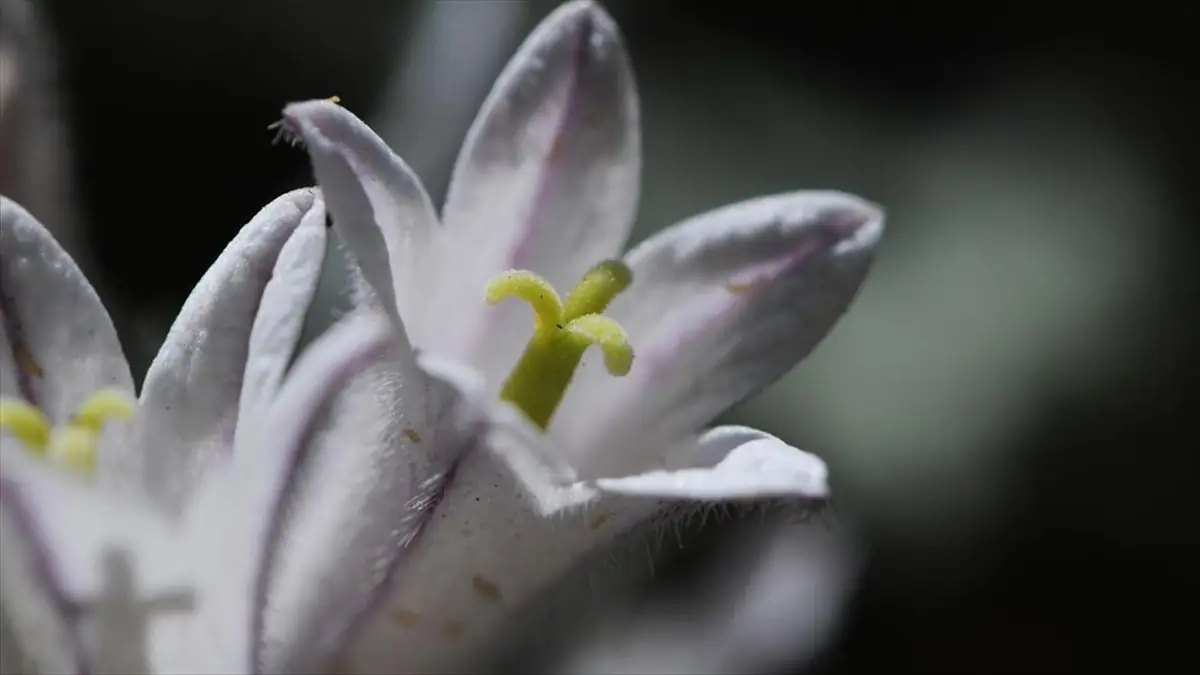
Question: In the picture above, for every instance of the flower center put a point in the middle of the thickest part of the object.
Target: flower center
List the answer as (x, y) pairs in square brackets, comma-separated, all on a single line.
[(71, 445), (563, 330)]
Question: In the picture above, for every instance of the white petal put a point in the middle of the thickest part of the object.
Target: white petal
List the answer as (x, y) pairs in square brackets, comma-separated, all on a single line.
[(237, 514), (486, 552), (734, 463), (280, 319), (95, 576), (12, 659), (793, 604), (508, 432), (720, 306), (507, 530), (379, 208), (37, 627), (57, 343), (547, 179), (373, 477), (510, 528), (766, 606), (249, 496), (189, 403)]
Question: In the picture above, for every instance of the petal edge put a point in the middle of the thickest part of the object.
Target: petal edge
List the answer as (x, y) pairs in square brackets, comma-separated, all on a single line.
[(746, 464)]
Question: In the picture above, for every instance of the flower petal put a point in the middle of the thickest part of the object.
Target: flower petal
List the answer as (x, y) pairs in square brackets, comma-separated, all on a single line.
[(57, 343), (547, 179), (238, 511), (189, 404), (374, 474), (280, 319), (508, 528), (37, 624), (487, 551), (767, 604), (12, 659), (91, 583), (379, 208), (250, 496), (720, 306), (734, 463)]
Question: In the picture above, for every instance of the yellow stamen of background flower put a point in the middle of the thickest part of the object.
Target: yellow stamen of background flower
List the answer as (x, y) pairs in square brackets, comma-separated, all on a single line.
[(26, 423), (72, 445)]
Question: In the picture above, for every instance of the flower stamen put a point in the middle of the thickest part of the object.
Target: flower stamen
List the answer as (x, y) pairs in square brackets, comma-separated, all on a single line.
[(562, 333), (71, 445), (26, 423)]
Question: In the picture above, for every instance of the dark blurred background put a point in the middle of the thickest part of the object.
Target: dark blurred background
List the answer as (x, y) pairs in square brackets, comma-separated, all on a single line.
[(1005, 410)]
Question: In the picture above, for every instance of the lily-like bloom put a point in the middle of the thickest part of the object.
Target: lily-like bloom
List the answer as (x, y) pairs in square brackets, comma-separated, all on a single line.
[(63, 374), (148, 547), (572, 452)]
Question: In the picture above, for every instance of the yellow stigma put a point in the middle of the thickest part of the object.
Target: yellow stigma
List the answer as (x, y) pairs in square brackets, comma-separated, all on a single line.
[(563, 330), (72, 445)]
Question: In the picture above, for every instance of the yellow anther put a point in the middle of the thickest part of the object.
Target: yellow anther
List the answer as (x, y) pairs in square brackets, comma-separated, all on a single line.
[(101, 407), (335, 99), (28, 424), (562, 333), (547, 308), (73, 447), (598, 287)]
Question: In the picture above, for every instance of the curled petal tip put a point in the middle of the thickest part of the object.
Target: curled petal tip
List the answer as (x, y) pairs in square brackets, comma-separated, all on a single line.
[(301, 117), (311, 108), (586, 19), (853, 223), (304, 199), (582, 10), (862, 227), (857, 210)]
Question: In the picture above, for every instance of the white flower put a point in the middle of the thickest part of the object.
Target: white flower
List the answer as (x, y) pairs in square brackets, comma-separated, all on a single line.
[(221, 361), (523, 465), (148, 548)]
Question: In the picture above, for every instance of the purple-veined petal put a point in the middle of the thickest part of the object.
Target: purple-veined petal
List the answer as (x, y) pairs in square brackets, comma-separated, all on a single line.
[(487, 551), (379, 208), (189, 403), (280, 319), (720, 306), (100, 579), (250, 495), (376, 470), (512, 525), (509, 527), (57, 343), (547, 180), (731, 463), (38, 628), (247, 497)]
